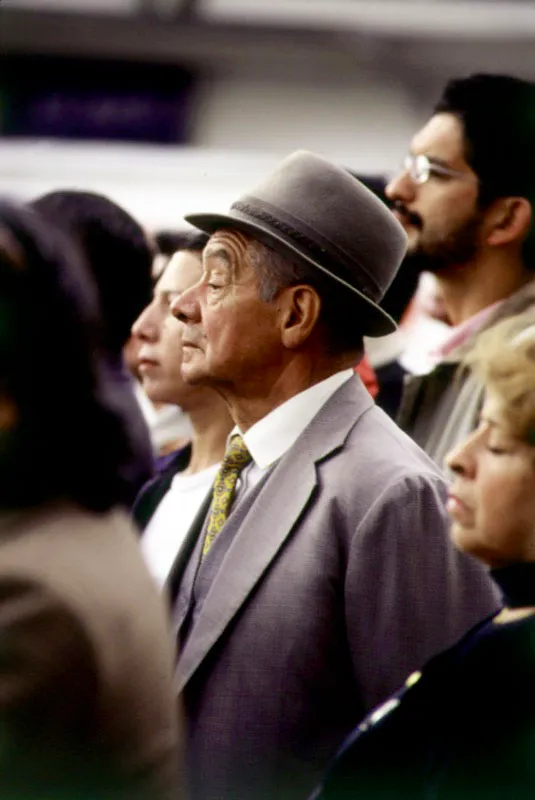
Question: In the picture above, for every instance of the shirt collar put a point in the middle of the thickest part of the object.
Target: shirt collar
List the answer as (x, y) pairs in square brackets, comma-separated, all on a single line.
[(273, 435), (460, 334)]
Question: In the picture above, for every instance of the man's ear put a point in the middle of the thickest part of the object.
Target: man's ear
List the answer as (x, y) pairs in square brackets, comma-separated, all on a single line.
[(299, 311), (508, 220)]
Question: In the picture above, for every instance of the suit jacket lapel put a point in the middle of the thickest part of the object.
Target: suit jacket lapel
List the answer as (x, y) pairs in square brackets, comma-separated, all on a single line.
[(257, 541), (261, 533)]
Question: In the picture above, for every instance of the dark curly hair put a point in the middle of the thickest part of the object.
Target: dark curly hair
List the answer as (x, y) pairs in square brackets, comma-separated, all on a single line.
[(168, 242), (497, 113)]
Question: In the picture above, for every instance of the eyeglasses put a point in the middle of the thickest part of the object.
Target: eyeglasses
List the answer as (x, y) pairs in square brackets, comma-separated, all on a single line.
[(420, 169)]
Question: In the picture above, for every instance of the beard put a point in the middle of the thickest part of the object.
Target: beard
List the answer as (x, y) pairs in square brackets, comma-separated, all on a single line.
[(454, 251)]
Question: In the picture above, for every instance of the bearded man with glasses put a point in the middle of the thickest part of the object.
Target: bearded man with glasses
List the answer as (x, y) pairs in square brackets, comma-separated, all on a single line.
[(466, 199)]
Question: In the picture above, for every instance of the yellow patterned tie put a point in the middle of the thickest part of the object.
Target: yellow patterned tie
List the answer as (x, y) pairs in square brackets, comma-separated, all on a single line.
[(236, 458)]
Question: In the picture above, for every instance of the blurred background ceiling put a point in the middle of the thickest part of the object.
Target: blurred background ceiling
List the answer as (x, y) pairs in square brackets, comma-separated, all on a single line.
[(213, 91), (418, 41)]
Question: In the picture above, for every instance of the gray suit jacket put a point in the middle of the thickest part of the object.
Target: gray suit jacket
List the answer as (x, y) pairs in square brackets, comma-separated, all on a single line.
[(335, 579)]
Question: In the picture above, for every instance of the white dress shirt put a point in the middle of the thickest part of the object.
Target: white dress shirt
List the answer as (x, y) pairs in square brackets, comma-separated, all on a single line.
[(273, 435)]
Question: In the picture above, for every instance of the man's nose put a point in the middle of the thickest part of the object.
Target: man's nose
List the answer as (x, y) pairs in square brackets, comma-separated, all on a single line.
[(401, 187)]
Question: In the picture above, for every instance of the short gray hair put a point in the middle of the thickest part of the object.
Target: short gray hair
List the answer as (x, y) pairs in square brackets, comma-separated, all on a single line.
[(276, 271)]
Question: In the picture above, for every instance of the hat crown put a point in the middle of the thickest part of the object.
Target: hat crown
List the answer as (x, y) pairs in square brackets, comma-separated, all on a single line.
[(339, 213)]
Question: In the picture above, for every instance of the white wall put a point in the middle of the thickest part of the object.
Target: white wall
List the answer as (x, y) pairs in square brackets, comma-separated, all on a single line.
[(366, 124), (158, 185), (243, 128)]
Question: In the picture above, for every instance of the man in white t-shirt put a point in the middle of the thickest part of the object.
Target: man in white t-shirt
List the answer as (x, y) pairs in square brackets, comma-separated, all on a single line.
[(167, 506)]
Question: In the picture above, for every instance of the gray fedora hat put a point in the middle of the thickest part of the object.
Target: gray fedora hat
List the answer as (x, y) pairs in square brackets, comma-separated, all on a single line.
[(316, 212)]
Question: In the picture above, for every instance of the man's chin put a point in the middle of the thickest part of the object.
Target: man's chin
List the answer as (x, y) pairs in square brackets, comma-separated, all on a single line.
[(192, 366), (418, 261), (413, 237), (194, 375)]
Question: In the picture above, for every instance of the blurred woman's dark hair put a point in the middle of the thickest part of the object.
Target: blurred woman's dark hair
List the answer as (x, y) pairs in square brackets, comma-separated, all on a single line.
[(168, 242), (68, 439), (118, 253)]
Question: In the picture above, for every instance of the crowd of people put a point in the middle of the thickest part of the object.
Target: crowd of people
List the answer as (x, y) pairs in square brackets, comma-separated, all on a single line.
[(247, 550)]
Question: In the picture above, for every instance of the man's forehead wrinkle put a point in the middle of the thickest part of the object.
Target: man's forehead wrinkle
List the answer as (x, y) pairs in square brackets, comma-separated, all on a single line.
[(216, 252), (232, 240)]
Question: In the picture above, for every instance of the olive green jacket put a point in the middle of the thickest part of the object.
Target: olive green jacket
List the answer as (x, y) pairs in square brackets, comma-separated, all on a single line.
[(439, 409)]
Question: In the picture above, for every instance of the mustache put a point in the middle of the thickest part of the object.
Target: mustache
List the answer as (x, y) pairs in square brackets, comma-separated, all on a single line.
[(410, 217)]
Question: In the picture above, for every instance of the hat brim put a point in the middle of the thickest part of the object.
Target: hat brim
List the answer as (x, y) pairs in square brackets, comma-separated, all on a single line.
[(375, 321)]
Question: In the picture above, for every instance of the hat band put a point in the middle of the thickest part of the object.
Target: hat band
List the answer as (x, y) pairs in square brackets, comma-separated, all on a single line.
[(312, 250)]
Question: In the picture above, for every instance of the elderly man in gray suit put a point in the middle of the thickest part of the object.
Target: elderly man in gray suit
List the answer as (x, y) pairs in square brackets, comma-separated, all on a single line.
[(321, 573)]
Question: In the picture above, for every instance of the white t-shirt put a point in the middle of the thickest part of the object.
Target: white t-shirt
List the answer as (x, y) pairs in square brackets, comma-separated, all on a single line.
[(167, 528)]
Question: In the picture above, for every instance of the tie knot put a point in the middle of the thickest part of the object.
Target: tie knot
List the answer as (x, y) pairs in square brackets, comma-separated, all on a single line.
[(237, 455)]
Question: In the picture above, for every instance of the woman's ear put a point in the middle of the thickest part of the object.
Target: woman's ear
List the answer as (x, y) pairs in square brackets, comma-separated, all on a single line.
[(299, 311), (508, 220)]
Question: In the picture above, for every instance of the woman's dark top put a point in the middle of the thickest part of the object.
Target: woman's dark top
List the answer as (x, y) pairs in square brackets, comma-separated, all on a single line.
[(463, 728)]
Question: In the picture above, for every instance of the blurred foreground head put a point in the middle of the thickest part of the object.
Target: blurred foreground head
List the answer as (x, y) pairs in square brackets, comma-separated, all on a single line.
[(60, 435), (117, 251)]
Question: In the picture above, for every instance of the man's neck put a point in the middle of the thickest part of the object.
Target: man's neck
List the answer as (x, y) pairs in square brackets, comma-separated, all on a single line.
[(249, 404), (469, 289)]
